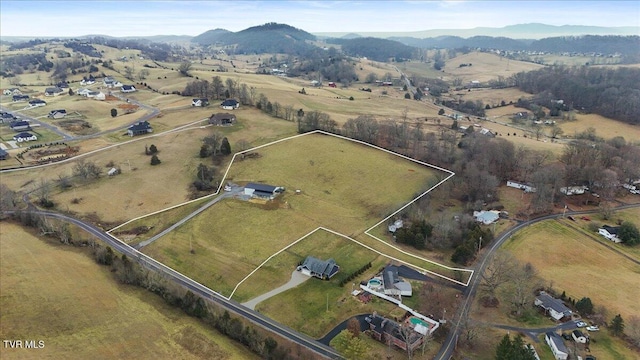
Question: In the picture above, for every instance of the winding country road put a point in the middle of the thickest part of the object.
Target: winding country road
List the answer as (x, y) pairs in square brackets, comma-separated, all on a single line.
[(446, 351)]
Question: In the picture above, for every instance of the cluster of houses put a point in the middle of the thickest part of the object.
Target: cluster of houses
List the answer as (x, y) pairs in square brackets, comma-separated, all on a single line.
[(558, 311), (228, 104)]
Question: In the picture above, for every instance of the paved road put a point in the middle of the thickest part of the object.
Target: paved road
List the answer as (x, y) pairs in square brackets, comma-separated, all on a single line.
[(200, 289), (42, 124), (448, 346)]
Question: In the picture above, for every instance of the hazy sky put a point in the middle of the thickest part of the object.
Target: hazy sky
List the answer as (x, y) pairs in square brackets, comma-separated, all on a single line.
[(143, 18)]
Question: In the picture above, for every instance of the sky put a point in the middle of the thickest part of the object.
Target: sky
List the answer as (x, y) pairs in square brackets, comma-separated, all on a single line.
[(146, 18)]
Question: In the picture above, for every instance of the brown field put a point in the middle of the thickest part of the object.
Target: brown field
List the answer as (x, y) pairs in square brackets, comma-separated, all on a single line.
[(492, 97), (333, 195), (605, 127), (484, 67), (61, 296), (559, 253)]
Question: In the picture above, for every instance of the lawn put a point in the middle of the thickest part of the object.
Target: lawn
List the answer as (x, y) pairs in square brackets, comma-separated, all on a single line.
[(61, 296), (330, 173), (484, 67), (578, 266)]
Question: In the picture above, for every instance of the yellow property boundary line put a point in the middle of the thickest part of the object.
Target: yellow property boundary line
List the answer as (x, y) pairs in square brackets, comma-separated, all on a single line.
[(367, 232)]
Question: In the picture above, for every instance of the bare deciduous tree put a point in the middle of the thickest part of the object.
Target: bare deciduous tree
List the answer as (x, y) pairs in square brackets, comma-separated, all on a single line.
[(497, 274)]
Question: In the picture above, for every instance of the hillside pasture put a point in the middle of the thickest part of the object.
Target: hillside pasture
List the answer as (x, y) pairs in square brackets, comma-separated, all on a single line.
[(61, 296), (330, 173), (579, 266), (484, 67)]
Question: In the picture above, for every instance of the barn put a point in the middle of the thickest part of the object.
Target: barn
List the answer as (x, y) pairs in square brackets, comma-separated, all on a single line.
[(262, 191)]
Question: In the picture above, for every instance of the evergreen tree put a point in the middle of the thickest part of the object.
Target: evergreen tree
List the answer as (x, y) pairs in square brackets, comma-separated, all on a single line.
[(584, 306), (225, 147), (155, 160), (617, 325), (504, 349)]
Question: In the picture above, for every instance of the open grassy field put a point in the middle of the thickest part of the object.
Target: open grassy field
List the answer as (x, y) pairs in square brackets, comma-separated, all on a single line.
[(492, 97), (484, 67), (579, 266), (312, 317), (330, 173), (61, 296)]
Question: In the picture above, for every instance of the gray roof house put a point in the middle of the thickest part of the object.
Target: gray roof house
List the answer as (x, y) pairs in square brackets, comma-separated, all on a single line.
[(20, 125), (53, 91), (393, 285), (554, 307), (222, 119), (321, 269), (3, 154), (558, 348)]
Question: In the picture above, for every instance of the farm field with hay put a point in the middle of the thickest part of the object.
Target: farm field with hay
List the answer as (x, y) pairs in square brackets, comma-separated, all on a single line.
[(330, 173), (59, 295)]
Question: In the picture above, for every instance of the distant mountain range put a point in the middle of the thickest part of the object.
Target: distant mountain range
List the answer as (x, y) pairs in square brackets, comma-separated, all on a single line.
[(521, 31)]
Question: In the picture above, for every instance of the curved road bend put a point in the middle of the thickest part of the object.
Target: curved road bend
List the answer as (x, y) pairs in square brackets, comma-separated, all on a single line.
[(200, 289), (447, 348)]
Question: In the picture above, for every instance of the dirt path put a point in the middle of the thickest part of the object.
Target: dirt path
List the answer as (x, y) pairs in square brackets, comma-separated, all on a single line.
[(296, 279)]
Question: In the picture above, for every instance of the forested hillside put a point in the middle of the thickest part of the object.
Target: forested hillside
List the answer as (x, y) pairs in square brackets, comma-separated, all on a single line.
[(613, 93), (375, 48)]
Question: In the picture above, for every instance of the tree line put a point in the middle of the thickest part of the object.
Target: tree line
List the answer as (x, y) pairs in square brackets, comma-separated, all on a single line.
[(128, 271), (612, 93)]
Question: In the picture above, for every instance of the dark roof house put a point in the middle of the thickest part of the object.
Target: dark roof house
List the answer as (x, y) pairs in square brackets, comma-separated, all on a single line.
[(17, 98), (140, 128), (390, 332), (20, 125), (319, 268), (222, 119), (53, 91), (3, 154), (230, 104)]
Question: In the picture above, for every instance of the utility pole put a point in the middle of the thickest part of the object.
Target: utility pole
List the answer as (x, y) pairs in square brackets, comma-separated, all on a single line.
[(327, 302)]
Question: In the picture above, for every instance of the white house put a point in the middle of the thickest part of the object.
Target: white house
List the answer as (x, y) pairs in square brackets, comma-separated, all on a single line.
[(558, 348), (57, 114), (127, 88), (83, 92), (554, 307), (573, 190), (521, 186), (110, 82), (25, 136), (610, 232), (199, 102), (396, 225), (12, 91), (88, 81), (578, 336)]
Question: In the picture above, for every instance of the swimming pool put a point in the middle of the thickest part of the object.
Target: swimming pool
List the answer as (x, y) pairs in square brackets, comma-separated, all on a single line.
[(374, 283)]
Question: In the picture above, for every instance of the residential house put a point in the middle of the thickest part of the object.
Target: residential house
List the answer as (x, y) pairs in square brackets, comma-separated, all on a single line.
[(262, 191), (57, 114), (393, 285), (25, 136), (518, 185), (558, 348), (230, 104), (88, 81), (127, 88), (111, 82), (578, 336), (62, 85), (140, 128), (83, 91), (610, 232), (392, 333), (20, 98), (20, 125), (3, 154), (53, 91), (487, 132), (12, 91), (200, 102), (222, 119), (7, 117), (321, 269), (37, 103), (573, 190), (552, 306), (96, 95), (486, 217), (396, 225)]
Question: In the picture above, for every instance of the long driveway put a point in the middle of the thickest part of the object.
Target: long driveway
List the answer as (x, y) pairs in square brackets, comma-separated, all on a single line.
[(199, 289)]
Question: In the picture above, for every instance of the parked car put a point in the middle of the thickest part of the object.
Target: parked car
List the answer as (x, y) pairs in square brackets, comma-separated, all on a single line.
[(581, 324), (585, 218), (593, 328)]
